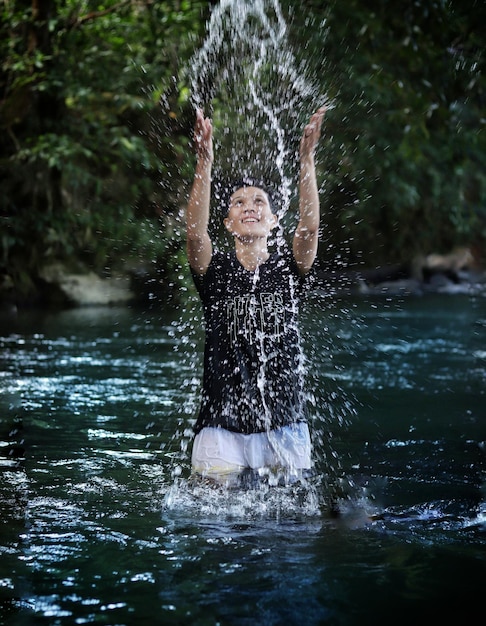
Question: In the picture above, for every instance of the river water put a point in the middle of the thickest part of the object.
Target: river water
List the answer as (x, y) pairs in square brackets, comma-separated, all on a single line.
[(100, 524)]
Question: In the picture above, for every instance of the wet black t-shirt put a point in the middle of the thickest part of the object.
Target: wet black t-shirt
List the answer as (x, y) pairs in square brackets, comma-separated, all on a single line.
[(253, 365)]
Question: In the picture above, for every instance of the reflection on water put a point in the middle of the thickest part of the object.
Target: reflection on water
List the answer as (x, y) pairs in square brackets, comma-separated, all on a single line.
[(99, 522)]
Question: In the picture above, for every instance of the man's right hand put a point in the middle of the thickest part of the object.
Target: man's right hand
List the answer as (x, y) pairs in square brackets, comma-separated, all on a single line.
[(203, 137)]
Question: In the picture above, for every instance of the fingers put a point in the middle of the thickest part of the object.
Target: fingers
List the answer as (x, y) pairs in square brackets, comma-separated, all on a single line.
[(199, 124), (315, 122), (203, 137), (202, 128), (200, 119), (312, 133)]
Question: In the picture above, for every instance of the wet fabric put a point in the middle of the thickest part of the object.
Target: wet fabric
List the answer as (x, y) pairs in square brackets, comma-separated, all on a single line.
[(253, 363), (219, 451)]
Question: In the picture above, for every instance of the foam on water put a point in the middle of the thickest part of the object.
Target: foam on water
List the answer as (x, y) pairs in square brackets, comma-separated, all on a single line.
[(271, 497), (265, 501)]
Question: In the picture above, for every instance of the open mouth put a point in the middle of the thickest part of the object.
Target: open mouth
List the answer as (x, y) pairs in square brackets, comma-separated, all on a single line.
[(250, 220)]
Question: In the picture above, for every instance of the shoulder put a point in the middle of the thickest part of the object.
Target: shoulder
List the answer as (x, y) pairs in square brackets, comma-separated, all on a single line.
[(285, 261), (221, 263)]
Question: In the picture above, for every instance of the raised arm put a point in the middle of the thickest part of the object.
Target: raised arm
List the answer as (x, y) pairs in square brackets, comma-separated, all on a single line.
[(199, 247), (306, 235)]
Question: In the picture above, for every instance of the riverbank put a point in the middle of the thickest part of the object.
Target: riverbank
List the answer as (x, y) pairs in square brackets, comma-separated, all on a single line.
[(56, 286), (398, 282)]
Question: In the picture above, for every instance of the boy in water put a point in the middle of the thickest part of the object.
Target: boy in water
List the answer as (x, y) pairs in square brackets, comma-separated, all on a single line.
[(251, 417)]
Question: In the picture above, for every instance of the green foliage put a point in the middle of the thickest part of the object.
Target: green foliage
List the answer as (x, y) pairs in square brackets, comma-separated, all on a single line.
[(93, 109), (403, 167), (96, 116)]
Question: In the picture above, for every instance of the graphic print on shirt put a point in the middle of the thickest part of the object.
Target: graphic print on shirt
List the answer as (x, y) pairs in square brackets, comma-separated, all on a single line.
[(255, 315)]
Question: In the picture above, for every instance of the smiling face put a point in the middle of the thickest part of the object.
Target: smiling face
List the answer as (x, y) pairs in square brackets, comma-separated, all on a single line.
[(250, 215)]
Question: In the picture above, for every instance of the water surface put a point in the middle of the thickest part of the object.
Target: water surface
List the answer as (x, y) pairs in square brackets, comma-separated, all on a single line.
[(99, 523)]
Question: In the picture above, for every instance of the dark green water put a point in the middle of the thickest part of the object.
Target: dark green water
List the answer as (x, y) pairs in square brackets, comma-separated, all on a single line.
[(99, 525)]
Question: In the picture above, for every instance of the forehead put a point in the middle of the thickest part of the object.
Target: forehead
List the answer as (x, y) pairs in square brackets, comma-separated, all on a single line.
[(248, 192)]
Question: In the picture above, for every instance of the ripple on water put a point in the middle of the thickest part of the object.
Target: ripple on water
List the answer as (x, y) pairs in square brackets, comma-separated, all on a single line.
[(436, 522)]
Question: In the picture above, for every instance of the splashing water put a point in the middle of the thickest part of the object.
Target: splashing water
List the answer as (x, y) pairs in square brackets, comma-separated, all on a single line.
[(263, 94), (259, 96), (260, 501)]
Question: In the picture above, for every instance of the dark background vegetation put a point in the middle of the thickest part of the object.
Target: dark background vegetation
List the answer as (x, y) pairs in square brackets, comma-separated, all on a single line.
[(96, 121)]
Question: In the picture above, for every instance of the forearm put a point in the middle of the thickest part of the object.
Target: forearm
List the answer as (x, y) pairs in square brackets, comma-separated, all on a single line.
[(197, 217), (308, 197), (306, 236)]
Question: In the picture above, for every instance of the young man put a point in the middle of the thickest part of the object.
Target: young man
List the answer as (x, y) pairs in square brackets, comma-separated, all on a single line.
[(252, 415)]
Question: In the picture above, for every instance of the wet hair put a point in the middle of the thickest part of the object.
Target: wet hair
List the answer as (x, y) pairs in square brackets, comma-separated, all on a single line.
[(227, 187)]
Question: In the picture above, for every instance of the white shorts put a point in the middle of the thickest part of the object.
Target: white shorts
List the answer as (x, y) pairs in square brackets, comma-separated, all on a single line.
[(217, 451)]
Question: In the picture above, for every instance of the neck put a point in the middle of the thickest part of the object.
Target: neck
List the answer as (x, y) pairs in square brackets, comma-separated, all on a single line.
[(251, 253)]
